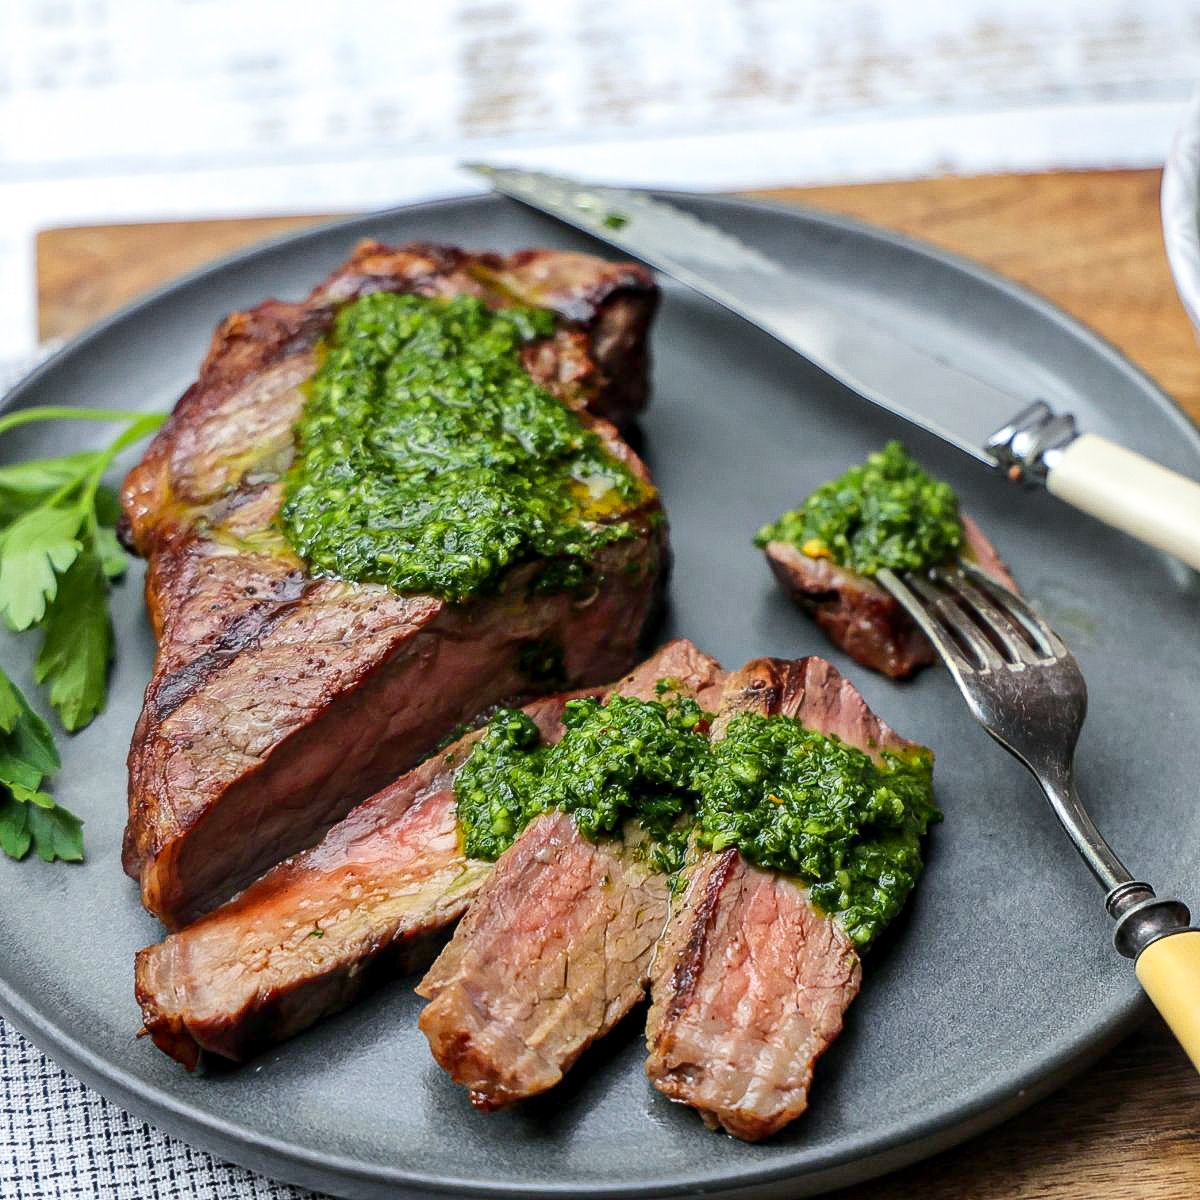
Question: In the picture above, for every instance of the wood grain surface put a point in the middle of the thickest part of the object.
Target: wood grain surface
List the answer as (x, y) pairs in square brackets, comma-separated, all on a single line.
[(1126, 1129)]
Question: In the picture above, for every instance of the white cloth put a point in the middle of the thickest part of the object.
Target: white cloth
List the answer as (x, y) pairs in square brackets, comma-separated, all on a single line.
[(59, 1140)]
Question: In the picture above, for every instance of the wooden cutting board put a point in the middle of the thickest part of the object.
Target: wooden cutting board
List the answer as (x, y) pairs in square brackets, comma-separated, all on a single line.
[(1127, 1128)]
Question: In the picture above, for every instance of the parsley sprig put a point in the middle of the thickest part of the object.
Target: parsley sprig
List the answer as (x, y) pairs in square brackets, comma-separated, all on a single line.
[(28, 815), (59, 554)]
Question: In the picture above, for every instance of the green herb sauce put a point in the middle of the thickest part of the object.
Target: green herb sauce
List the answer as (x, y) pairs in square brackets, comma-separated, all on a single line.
[(787, 797), (627, 758), (427, 459), (888, 512), (808, 804)]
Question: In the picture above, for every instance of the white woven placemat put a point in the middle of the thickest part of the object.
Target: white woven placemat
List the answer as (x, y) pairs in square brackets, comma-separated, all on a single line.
[(59, 1140)]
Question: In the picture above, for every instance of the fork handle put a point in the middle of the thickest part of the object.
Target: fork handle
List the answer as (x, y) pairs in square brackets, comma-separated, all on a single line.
[(1129, 492), (1169, 971)]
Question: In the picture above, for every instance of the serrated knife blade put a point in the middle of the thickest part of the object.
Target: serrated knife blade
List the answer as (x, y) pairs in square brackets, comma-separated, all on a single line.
[(866, 358), (1002, 429)]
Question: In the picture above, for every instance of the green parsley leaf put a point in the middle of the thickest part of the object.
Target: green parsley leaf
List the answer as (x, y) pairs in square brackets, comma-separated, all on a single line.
[(108, 506), (24, 485), (113, 558), (10, 705), (30, 817), (78, 642), (15, 836), (32, 796), (33, 549), (57, 834), (58, 551), (78, 646), (27, 751), (51, 831)]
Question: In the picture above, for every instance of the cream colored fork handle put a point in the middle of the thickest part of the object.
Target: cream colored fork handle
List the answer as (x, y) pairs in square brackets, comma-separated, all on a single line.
[(1131, 493), (1169, 971)]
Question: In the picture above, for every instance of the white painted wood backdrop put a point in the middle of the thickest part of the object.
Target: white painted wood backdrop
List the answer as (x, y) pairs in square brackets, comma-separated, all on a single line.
[(142, 109)]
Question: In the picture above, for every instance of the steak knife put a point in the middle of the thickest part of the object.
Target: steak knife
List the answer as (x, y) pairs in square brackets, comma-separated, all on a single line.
[(1020, 436)]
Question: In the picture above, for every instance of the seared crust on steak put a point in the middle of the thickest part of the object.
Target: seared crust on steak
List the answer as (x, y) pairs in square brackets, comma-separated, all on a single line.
[(556, 948), (750, 981), (860, 617), (280, 700), (368, 902)]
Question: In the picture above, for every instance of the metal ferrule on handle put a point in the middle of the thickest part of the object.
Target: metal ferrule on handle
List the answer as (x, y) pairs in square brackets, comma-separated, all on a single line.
[(1099, 477), (1154, 932)]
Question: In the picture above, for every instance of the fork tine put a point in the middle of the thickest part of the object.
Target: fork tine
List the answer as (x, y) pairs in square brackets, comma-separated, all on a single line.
[(943, 643), (945, 605), (1009, 633), (1018, 609)]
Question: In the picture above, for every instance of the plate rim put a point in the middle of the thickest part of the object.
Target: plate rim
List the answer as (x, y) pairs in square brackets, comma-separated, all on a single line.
[(900, 1143)]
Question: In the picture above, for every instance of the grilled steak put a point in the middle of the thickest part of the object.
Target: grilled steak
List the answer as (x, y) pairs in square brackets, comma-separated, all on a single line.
[(365, 903), (279, 700), (750, 981), (857, 615), (555, 950)]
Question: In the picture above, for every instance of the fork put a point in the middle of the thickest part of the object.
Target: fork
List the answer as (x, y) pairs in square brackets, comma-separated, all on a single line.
[(1025, 688)]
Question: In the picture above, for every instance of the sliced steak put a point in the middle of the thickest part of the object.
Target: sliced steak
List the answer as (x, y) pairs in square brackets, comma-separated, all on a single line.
[(368, 902), (750, 981), (279, 700), (553, 953), (750, 984), (857, 615), (550, 958)]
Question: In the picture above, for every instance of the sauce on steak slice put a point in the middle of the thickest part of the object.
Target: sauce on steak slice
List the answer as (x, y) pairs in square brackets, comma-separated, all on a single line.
[(279, 700), (860, 617), (556, 948), (750, 981), (367, 903)]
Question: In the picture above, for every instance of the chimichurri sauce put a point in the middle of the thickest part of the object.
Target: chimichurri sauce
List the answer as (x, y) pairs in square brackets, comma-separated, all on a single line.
[(428, 459), (887, 512), (627, 758), (808, 804), (787, 797)]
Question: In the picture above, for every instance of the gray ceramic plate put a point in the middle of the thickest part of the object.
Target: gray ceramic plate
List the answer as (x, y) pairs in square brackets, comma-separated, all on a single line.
[(998, 981)]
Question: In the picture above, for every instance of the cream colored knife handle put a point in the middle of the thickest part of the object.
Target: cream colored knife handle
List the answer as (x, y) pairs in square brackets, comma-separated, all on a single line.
[(1131, 493)]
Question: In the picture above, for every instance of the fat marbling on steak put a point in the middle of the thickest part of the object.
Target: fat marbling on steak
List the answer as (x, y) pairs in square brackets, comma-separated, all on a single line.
[(556, 948), (858, 615), (364, 904), (279, 700), (750, 981)]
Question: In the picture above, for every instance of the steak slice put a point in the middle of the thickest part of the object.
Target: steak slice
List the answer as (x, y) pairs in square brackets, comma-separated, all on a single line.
[(553, 953), (860, 617), (367, 903), (279, 700), (750, 981)]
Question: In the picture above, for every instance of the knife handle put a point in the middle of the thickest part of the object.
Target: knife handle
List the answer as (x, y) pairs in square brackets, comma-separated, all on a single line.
[(1130, 493), (1169, 971)]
